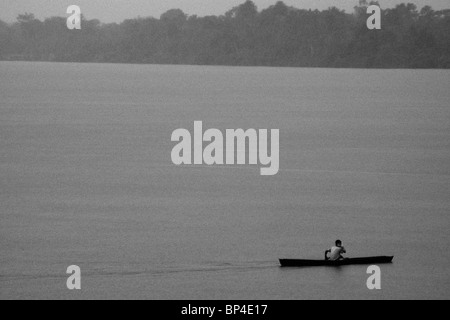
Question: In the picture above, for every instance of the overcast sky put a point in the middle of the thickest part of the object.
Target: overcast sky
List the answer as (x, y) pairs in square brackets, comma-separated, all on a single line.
[(118, 10)]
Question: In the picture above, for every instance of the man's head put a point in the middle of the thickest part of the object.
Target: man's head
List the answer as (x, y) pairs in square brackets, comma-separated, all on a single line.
[(338, 243)]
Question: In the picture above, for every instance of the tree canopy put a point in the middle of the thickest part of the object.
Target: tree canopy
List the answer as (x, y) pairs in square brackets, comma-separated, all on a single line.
[(277, 36)]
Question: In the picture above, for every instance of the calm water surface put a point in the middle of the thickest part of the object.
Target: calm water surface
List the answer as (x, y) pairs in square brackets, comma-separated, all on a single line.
[(87, 179)]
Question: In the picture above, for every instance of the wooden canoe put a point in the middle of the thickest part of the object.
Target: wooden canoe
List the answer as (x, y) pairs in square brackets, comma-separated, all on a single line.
[(328, 263)]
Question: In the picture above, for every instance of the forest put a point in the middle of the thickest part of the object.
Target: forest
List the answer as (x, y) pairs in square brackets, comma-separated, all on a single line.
[(244, 36)]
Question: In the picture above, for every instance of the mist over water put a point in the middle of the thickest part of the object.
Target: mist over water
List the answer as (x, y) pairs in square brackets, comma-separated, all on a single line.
[(87, 179)]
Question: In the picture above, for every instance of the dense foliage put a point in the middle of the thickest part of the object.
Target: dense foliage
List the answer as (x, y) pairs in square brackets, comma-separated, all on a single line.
[(277, 36)]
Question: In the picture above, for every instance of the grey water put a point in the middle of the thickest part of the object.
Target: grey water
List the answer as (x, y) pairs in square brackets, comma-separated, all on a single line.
[(86, 179)]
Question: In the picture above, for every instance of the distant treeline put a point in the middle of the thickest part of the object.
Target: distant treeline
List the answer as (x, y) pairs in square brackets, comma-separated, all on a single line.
[(277, 36)]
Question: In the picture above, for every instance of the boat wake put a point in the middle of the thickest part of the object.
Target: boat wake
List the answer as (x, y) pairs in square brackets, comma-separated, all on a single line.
[(130, 271)]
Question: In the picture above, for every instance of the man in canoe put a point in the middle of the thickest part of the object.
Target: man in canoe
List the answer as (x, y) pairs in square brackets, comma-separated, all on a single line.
[(336, 252)]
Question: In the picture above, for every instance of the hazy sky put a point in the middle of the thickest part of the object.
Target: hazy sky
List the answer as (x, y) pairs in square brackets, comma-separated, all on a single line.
[(118, 10)]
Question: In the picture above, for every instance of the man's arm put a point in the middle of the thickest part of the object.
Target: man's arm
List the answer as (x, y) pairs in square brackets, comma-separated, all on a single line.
[(326, 254)]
